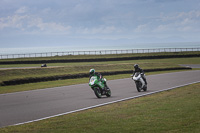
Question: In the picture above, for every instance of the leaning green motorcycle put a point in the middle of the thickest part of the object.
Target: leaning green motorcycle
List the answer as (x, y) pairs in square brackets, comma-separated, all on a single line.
[(99, 87)]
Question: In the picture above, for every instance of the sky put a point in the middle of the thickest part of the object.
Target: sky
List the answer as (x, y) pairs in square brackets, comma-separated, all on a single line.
[(35, 23)]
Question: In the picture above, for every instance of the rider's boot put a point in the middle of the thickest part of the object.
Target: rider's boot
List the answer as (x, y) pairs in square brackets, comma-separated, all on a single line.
[(144, 78), (106, 87), (145, 81), (104, 91)]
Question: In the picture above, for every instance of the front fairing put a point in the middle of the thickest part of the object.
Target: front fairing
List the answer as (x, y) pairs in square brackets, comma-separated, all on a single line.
[(137, 76), (94, 81)]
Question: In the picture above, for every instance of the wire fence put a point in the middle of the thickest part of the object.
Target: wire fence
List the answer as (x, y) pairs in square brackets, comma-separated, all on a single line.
[(98, 52)]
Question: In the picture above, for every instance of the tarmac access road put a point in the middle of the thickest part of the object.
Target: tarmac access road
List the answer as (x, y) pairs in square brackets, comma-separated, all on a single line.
[(29, 106), (191, 65)]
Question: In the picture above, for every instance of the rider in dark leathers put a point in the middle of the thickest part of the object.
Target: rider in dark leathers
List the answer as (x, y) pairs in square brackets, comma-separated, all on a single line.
[(138, 69)]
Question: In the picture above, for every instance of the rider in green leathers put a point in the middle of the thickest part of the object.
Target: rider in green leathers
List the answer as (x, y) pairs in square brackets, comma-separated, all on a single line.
[(100, 77)]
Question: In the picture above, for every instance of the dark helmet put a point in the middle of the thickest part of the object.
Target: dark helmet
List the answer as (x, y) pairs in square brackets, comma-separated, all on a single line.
[(92, 71), (136, 66)]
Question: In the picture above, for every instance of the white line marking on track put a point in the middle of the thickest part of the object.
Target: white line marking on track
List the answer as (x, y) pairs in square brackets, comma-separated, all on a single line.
[(103, 104)]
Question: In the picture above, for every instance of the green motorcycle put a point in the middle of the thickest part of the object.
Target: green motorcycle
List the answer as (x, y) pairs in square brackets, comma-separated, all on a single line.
[(97, 86)]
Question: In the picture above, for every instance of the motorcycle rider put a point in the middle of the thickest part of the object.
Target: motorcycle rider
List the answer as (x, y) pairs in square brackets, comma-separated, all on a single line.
[(100, 77), (138, 69)]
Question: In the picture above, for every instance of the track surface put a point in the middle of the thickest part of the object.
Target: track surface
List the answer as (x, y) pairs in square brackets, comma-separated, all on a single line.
[(32, 105)]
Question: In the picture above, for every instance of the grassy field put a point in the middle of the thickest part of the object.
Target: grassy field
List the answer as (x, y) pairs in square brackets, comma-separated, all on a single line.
[(74, 68), (176, 110), (54, 69), (172, 111)]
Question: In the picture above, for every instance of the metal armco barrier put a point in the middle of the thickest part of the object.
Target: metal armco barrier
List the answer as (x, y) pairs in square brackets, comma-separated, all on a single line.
[(99, 52)]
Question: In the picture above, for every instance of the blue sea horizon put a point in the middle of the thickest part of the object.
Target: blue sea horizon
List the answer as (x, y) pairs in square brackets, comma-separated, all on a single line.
[(25, 50)]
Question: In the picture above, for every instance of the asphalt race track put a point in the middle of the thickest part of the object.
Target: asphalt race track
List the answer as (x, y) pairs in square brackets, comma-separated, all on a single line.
[(33, 105)]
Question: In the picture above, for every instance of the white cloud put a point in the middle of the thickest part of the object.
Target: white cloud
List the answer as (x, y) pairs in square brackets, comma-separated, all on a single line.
[(22, 10), (46, 10), (185, 28), (163, 28), (179, 22), (181, 16), (30, 23), (141, 28), (187, 21), (99, 30), (48, 27), (15, 21)]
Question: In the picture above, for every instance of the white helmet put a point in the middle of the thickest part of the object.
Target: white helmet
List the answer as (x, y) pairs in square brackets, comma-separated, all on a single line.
[(92, 71)]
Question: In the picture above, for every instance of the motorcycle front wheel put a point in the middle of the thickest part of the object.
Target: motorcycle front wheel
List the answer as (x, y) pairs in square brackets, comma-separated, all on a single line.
[(145, 88), (97, 92), (138, 86), (108, 93)]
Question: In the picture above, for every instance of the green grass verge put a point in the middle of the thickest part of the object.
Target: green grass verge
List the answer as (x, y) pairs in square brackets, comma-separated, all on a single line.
[(171, 111), (75, 68)]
